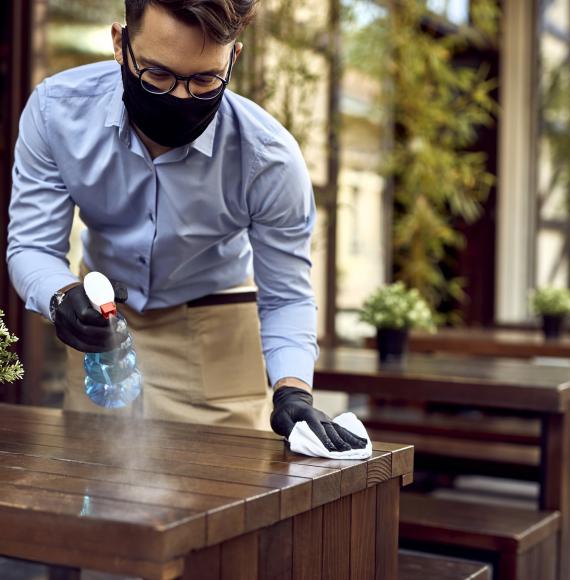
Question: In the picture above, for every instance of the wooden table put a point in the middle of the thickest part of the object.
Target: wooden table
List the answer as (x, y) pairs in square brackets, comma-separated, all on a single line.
[(498, 343), (164, 500), (542, 391)]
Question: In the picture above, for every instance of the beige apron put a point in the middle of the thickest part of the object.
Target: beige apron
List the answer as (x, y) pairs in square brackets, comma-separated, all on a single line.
[(199, 364)]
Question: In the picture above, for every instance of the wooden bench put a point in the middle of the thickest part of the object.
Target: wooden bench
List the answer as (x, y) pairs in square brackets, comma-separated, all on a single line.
[(521, 543), (454, 422), (453, 444), (418, 566)]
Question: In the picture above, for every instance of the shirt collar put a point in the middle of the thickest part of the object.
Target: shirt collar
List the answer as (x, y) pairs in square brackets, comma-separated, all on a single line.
[(117, 116)]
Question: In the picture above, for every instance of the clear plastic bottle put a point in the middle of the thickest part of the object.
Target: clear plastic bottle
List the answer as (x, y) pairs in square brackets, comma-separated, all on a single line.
[(112, 379)]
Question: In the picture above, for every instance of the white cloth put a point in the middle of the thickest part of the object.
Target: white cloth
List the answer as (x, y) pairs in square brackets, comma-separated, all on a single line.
[(303, 440)]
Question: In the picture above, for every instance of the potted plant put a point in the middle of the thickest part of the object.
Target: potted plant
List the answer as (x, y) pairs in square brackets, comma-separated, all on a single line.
[(10, 367), (393, 310), (552, 304)]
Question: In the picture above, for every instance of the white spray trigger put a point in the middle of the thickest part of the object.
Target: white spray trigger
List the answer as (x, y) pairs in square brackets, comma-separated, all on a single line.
[(100, 292)]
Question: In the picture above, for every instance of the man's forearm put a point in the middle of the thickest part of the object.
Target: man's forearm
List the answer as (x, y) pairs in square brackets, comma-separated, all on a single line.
[(36, 276), (288, 335), (292, 382)]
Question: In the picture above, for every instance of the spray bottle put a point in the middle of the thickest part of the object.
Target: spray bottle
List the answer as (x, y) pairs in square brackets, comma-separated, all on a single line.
[(112, 379)]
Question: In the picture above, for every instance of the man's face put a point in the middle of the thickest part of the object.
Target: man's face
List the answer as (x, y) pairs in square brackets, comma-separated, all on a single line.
[(166, 42)]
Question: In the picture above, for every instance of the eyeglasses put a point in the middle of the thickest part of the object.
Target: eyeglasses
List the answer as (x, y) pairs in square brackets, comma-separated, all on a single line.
[(160, 81)]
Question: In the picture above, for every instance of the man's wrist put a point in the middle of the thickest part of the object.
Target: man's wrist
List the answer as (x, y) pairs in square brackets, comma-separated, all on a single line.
[(57, 299), (292, 382), (69, 287)]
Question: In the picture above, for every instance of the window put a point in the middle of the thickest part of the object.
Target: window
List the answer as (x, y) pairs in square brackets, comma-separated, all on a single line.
[(553, 168)]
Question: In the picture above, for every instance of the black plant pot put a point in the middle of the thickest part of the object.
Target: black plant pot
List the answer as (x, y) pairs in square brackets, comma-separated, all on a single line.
[(392, 344), (552, 326)]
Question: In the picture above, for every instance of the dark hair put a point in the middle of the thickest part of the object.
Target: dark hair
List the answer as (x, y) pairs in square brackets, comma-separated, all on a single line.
[(221, 20)]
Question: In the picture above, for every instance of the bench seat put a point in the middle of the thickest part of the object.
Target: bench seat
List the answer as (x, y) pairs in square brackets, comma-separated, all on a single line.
[(455, 444), (419, 566), (522, 542)]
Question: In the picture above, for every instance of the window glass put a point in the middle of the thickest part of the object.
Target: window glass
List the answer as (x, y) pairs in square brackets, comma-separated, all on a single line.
[(553, 170)]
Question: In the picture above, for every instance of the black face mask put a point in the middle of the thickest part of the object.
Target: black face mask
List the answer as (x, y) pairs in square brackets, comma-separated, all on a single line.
[(167, 120)]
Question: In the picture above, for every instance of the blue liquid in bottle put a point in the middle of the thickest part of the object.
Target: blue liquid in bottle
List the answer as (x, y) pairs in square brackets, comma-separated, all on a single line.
[(112, 379)]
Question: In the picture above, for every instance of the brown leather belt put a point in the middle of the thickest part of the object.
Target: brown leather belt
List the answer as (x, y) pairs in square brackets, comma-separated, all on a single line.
[(217, 299)]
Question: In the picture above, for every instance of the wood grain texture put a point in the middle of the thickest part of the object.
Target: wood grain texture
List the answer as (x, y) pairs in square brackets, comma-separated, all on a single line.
[(363, 535), (381, 469), (239, 558), (336, 540), (402, 456), (407, 479), (276, 551), (540, 561), (387, 517), (308, 545)]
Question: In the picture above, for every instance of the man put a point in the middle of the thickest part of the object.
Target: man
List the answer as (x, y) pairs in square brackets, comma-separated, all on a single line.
[(186, 190)]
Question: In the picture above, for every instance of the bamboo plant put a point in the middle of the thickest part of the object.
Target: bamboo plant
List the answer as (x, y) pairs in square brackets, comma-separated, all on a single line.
[(434, 109)]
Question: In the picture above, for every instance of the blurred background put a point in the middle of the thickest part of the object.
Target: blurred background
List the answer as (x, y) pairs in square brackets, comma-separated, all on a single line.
[(437, 137), (435, 132)]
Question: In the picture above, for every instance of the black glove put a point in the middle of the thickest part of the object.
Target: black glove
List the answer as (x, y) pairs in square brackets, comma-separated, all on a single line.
[(80, 326), (291, 404)]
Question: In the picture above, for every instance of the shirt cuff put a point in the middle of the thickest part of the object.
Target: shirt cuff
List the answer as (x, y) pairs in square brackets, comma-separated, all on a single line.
[(40, 302), (290, 362)]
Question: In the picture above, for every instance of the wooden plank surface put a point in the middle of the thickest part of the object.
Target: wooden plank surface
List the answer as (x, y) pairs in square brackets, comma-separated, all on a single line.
[(363, 535), (336, 540), (239, 558), (418, 566), (308, 545), (502, 528), (150, 492), (500, 383), (387, 518), (276, 551)]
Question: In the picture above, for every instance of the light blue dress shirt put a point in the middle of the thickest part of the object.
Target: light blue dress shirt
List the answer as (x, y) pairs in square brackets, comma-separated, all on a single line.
[(196, 220)]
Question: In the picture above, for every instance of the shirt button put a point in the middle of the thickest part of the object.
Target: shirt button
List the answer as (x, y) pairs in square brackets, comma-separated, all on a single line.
[(142, 259)]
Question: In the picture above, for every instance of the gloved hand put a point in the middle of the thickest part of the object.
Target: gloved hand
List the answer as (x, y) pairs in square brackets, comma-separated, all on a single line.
[(291, 404), (80, 326)]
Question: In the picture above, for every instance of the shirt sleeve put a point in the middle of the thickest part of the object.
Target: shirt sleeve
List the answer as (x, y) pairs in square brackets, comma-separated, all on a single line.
[(282, 210), (41, 214)]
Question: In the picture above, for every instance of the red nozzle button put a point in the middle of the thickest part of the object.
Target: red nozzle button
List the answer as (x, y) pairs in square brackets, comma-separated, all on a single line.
[(109, 309)]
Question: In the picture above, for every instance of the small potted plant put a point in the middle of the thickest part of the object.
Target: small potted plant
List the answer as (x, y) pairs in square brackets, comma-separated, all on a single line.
[(393, 310), (10, 367), (552, 304)]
